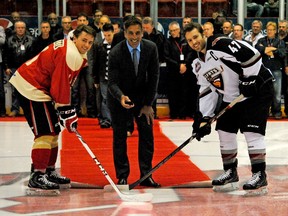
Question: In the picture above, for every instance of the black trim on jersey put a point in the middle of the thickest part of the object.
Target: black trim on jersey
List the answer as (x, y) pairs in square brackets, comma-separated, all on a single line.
[(234, 66), (242, 52)]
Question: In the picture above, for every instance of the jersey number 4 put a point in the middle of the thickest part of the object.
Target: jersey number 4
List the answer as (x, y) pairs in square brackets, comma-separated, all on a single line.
[(234, 46)]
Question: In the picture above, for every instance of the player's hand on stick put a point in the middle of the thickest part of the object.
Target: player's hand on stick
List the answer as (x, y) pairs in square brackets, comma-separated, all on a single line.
[(248, 86), (201, 126), (68, 118)]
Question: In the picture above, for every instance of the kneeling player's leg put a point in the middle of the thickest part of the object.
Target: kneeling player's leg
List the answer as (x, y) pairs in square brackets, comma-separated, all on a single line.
[(257, 153), (228, 181)]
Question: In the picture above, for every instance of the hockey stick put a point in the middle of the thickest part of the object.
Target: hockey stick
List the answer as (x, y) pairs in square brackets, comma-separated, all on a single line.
[(229, 106), (143, 197)]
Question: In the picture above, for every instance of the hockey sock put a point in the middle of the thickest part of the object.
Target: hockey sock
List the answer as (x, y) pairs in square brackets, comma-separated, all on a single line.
[(41, 152), (256, 149), (228, 145), (54, 152)]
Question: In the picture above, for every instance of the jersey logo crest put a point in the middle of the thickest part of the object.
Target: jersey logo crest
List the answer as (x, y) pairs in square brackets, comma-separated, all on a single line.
[(215, 78)]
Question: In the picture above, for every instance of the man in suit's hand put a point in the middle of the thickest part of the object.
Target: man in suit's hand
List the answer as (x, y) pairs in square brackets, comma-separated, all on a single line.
[(148, 112)]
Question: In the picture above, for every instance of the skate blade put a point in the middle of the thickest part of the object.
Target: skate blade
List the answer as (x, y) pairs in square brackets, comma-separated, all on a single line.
[(41, 192), (64, 186), (226, 188), (257, 192)]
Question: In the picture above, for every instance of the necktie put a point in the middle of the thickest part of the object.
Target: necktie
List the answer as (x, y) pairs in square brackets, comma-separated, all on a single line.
[(135, 61)]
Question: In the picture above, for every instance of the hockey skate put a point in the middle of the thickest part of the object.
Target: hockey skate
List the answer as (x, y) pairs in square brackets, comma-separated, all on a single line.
[(257, 185), (39, 185), (226, 182), (53, 176)]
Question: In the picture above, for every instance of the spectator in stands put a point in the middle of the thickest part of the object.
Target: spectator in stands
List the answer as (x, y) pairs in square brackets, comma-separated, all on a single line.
[(186, 20), (273, 54), (217, 20), (256, 33), (177, 53), (158, 38), (283, 35), (271, 8), (43, 40), (87, 77), (53, 20), (227, 28), (238, 33), (100, 70), (15, 16), (154, 35), (17, 50), (103, 20), (116, 26), (2, 92), (82, 19), (66, 28), (208, 29), (254, 9), (96, 18)]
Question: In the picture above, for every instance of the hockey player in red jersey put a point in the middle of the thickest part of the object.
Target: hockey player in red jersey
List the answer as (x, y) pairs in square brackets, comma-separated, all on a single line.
[(44, 83), (229, 68)]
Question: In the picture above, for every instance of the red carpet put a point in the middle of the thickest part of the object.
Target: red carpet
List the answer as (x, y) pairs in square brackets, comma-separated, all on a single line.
[(79, 166)]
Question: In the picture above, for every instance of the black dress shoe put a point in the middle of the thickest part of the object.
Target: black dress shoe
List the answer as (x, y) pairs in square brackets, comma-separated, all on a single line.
[(122, 181), (149, 182)]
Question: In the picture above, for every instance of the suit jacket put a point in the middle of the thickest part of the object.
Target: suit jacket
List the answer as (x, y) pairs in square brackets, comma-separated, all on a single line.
[(122, 80)]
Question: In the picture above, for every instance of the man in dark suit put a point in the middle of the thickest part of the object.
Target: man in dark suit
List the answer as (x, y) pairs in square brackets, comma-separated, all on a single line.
[(132, 84)]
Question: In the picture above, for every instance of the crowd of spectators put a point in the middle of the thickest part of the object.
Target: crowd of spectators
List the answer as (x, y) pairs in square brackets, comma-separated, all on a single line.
[(17, 46)]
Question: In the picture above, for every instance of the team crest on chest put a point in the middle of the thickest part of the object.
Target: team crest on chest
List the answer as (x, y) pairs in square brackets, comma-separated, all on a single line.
[(214, 77)]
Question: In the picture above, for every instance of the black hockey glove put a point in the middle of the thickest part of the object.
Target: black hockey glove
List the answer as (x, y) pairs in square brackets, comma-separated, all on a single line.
[(201, 126), (247, 86), (68, 118)]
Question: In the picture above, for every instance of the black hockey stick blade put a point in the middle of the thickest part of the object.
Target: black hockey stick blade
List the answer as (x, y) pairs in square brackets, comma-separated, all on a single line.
[(229, 106), (133, 185)]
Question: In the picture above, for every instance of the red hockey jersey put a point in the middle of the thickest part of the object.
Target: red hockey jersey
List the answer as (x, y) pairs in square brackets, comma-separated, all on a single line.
[(50, 75)]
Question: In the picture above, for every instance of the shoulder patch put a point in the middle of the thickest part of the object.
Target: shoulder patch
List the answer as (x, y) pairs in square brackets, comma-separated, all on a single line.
[(57, 44)]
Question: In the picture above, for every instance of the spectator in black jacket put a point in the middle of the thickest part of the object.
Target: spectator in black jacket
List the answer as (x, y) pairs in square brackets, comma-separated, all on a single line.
[(43, 40), (53, 20), (273, 53), (17, 50), (178, 57), (66, 28)]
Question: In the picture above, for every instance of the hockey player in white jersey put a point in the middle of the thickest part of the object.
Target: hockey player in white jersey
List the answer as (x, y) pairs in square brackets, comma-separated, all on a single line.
[(230, 68)]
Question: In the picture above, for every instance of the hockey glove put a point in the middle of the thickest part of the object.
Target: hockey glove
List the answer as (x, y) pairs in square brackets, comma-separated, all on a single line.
[(201, 126), (68, 118), (247, 86)]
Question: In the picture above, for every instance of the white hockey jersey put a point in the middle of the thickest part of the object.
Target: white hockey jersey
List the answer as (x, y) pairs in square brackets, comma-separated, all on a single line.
[(219, 70)]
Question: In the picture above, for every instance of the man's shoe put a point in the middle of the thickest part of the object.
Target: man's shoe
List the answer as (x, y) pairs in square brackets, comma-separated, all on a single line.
[(149, 182), (105, 125), (13, 114), (122, 181)]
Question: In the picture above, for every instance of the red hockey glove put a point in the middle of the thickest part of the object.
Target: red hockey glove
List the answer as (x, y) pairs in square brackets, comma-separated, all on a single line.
[(201, 126), (68, 118)]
